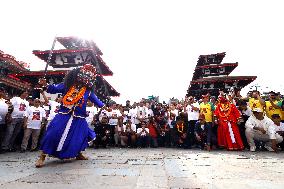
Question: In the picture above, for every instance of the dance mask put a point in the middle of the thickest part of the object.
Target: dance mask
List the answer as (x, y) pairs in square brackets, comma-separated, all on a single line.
[(87, 75)]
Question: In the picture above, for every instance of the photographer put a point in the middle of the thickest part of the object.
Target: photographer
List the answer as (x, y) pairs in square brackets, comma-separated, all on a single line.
[(102, 130)]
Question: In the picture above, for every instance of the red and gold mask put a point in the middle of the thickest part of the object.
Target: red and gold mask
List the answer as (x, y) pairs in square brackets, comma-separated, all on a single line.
[(87, 75)]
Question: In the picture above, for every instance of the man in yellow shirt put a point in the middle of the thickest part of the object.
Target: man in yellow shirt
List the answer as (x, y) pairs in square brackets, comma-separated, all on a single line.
[(272, 106), (207, 108), (256, 101)]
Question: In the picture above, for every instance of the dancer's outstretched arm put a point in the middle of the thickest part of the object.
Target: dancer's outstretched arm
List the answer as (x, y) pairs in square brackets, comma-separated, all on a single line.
[(53, 89), (94, 99)]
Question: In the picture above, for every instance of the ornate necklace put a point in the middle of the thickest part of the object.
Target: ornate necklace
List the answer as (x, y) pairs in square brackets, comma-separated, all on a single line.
[(73, 96), (225, 109)]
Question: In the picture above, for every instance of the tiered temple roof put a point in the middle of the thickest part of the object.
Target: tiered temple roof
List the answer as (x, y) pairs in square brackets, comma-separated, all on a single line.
[(17, 77), (211, 59), (9, 65), (78, 43), (78, 52), (9, 62), (210, 76), (70, 58)]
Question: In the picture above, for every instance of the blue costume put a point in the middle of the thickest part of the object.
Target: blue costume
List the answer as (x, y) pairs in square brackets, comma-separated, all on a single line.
[(68, 133)]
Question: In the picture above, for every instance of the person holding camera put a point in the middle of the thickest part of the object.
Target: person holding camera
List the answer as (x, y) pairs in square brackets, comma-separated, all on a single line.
[(129, 130), (114, 116), (143, 136), (141, 114)]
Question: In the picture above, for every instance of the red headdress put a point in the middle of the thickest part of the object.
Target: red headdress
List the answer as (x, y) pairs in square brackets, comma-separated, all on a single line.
[(222, 99)]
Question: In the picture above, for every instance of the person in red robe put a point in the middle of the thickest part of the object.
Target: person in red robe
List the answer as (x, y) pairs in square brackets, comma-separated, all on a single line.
[(227, 116)]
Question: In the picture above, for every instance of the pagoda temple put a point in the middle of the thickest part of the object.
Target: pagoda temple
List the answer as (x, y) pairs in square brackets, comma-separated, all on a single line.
[(8, 67), (76, 53), (211, 75), (16, 77)]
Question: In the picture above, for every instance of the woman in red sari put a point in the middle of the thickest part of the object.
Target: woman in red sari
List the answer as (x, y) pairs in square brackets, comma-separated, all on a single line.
[(227, 116)]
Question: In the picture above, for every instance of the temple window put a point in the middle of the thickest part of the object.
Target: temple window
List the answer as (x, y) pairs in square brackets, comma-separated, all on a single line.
[(222, 70), (206, 71)]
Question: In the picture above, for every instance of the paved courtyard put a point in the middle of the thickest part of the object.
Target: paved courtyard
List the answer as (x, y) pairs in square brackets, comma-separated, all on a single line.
[(146, 168)]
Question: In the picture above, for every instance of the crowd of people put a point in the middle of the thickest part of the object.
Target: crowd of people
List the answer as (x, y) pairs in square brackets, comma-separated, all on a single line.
[(228, 121)]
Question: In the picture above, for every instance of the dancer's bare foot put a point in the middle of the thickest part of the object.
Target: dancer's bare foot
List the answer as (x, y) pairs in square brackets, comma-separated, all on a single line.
[(81, 157), (40, 161)]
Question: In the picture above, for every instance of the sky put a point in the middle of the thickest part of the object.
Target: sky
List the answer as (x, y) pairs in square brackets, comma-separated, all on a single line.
[(152, 46)]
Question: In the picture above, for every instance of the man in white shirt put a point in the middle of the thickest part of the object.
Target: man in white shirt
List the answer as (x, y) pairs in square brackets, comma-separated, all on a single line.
[(129, 130), (141, 114), (33, 118), (114, 115), (13, 129), (91, 111), (173, 111), (279, 126), (143, 136), (191, 108), (260, 127), (51, 107), (133, 114), (54, 108), (149, 112), (103, 112)]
